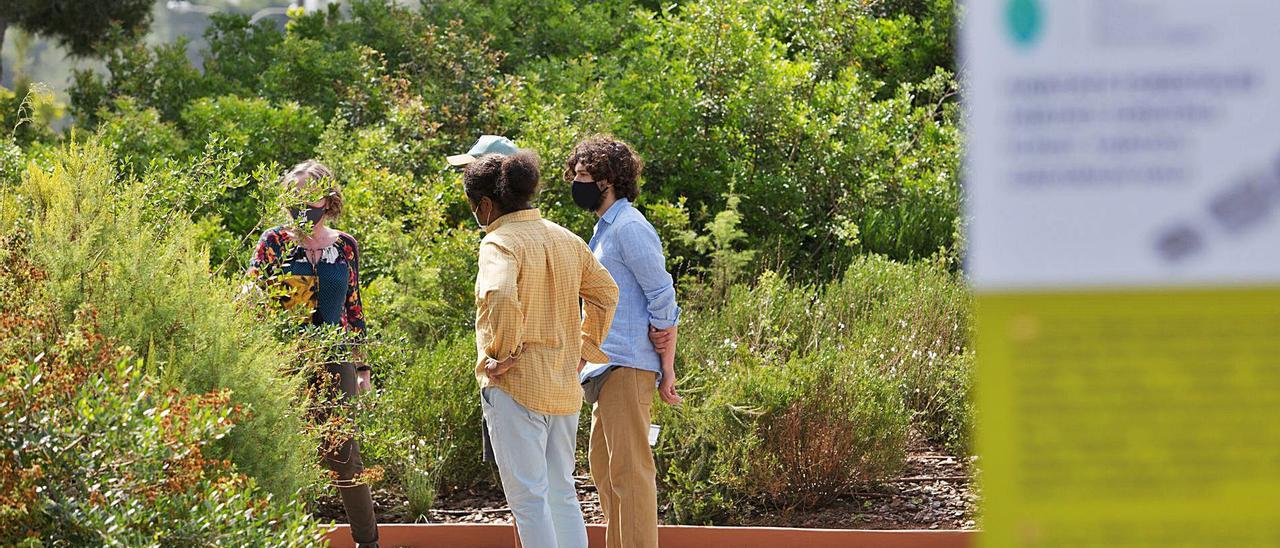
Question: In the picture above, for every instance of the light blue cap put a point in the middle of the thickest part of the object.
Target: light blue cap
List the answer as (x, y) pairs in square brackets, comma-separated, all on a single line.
[(488, 144)]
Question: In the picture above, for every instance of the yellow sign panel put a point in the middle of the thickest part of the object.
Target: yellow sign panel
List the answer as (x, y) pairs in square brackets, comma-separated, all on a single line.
[(1130, 418)]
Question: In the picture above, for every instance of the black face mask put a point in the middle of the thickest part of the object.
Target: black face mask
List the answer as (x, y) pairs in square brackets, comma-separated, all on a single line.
[(312, 214), (587, 195)]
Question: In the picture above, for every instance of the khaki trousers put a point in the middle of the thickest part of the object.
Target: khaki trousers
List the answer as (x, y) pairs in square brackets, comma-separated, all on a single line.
[(621, 460)]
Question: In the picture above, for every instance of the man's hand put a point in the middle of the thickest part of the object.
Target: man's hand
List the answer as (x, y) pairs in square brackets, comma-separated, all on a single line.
[(664, 342), (495, 369), (582, 362), (667, 387), (364, 382), (663, 339)]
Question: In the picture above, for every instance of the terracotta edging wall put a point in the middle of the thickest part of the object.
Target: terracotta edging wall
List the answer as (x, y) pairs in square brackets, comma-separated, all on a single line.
[(669, 536)]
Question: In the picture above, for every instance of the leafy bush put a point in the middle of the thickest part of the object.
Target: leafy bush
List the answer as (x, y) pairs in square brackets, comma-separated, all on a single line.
[(793, 434), (286, 133), (137, 135), (94, 450), (161, 78), (811, 147), (427, 420), (142, 269), (835, 138), (11, 162), (795, 393)]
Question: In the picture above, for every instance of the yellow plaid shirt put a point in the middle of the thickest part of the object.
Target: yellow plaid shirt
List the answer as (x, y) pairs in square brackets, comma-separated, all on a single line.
[(532, 273)]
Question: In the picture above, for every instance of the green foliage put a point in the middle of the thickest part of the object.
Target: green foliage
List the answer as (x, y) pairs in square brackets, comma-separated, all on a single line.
[(818, 138), (92, 233), (720, 242), (11, 162), (27, 111), (418, 265), (239, 53), (161, 78), (906, 41), (790, 434), (757, 104), (95, 450), (264, 132), (534, 30), (794, 392), (81, 26), (426, 422), (137, 135)]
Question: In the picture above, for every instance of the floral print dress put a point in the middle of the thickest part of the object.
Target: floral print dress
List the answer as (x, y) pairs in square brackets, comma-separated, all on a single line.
[(324, 293)]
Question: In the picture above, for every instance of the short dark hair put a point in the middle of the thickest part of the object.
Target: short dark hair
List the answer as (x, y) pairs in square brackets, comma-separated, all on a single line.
[(510, 181), (608, 159)]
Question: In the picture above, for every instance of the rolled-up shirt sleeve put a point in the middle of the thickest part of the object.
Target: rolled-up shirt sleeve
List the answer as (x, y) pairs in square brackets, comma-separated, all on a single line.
[(499, 314), (642, 253)]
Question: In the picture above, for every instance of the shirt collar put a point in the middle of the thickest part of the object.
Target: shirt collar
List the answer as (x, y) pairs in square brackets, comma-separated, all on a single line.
[(615, 210), (513, 217)]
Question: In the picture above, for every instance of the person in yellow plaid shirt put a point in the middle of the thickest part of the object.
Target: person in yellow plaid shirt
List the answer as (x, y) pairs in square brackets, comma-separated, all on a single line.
[(532, 339)]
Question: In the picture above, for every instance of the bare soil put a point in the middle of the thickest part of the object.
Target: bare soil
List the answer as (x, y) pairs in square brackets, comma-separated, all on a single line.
[(935, 491)]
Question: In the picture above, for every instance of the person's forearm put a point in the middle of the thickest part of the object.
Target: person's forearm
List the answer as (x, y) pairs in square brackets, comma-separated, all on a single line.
[(669, 358), (499, 320)]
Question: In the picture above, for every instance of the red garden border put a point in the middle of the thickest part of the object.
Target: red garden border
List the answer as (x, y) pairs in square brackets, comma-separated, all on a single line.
[(669, 536)]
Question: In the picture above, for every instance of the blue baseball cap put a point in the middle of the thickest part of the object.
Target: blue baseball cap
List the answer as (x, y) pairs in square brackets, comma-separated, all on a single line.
[(488, 144)]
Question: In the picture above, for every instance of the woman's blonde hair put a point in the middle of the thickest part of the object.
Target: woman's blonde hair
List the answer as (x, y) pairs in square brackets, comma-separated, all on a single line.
[(312, 170)]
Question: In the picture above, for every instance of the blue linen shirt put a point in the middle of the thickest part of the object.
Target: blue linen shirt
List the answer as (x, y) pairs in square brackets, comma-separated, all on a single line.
[(629, 248)]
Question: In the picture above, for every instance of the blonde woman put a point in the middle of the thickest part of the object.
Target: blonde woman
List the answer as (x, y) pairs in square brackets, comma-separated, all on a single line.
[(318, 268)]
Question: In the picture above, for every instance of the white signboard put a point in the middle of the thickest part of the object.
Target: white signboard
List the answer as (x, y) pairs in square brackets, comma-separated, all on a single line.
[(1122, 142)]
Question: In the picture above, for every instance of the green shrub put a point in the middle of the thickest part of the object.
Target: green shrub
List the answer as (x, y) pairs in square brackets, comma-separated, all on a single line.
[(906, 41), (836, 134), (417, 263), (11, 163), (794, 393), (535, 30), (239, 53), (793, 434), (309, 71), (147, 276), (914, 322), (94, 450), (161, 78), (265, 132), (425, 422), (765, 109), (136, 135), (845, 426)]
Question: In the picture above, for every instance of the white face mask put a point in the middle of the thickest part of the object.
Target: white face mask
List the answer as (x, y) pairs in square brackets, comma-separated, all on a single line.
[(476, 213)]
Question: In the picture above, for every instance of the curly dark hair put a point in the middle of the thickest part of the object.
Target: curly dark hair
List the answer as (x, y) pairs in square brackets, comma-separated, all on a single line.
[(608, 159), (510, 181)]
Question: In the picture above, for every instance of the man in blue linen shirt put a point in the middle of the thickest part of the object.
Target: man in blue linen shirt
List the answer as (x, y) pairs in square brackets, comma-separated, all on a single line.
[(640, 344)]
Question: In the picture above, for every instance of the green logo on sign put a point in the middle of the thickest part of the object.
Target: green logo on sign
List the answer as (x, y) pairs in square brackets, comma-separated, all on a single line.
[(1025, 19)]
